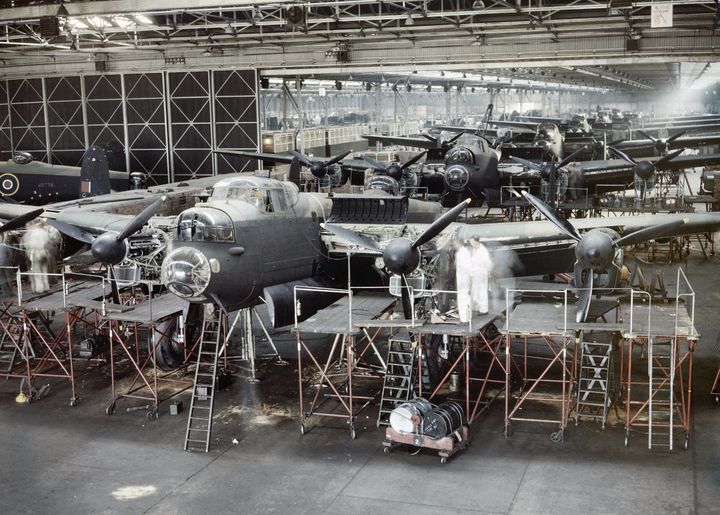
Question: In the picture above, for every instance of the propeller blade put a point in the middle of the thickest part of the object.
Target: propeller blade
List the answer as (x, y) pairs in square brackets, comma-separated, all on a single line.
[(646, 135), (377, 165), (405, 296), (337, 158), (428, 137), (294, 174), (675, 136), (74, 232), (652, 232), (584, 296), (440, 224), (304, 160), (141, 219), (551, 214), (354, 238), (525, 162), (571, 157), (668, 157), (616, 142), (454, 138), (20, 221), (412, 160), (622, 155)]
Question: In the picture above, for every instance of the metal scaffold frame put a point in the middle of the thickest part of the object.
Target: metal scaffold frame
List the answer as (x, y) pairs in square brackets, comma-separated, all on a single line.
[(474, 343), (676, 376), (347, 360), (125, 328), (39, 351), (562, 344)]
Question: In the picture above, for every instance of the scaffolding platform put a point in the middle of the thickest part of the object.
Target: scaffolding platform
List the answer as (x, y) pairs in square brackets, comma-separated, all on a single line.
[(126, 324), (335, 394)]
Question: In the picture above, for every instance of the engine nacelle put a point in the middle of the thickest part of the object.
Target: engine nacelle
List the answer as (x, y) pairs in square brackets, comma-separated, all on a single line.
[(280, 300)]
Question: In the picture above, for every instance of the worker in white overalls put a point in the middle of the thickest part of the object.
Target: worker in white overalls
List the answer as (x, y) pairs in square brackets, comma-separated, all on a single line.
[(472, 274)]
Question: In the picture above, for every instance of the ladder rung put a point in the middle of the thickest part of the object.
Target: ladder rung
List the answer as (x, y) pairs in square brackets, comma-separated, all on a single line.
[(195, 441), (199, 407)]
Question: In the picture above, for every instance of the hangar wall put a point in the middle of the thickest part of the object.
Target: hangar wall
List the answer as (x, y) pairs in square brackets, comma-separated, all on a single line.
[(169, 121)]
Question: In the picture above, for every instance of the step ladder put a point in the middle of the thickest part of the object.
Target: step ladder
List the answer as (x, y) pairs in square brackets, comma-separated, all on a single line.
[(661, 387), (595, 381), (10, 353), (399, 379), (200, 415)]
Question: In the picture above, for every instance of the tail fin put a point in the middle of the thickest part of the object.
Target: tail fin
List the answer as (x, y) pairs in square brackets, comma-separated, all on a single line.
[(94, 173)]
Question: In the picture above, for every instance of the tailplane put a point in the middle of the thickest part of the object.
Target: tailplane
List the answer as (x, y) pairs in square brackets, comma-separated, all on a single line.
[(94, 173)]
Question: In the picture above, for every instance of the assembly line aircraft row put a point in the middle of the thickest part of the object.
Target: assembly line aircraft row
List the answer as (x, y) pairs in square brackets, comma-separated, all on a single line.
[(256, 238)]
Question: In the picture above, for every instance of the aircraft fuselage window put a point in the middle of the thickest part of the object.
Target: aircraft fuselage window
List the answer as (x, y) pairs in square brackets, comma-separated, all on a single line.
[(205, 225)]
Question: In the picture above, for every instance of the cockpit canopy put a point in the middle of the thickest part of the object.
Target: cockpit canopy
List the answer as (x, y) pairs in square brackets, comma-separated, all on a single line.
[(265, 195), (205, 224)]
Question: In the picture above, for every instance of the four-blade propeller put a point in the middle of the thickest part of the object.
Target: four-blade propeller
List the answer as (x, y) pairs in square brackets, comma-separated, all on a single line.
[(662, 144)]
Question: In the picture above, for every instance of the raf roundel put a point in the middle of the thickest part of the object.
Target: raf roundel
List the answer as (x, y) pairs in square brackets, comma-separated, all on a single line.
[(9, 185)]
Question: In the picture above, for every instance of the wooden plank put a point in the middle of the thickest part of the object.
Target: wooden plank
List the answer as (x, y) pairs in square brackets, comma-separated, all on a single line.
[(334, 318), (151, 310)]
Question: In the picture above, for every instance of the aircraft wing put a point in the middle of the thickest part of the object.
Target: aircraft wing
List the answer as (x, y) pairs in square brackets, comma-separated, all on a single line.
[(401, 140), (260, 156), (527, 239), (695, 141), (688, 161)]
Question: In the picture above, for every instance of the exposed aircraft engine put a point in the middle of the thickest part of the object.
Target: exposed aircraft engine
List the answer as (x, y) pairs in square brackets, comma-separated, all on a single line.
[(186, 272)]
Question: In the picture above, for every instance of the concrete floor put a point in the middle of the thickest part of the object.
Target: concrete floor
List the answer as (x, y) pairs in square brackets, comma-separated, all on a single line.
[(58, 459)]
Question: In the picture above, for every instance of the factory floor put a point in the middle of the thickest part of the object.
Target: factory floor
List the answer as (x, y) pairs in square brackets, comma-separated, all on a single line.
[(60, 459)]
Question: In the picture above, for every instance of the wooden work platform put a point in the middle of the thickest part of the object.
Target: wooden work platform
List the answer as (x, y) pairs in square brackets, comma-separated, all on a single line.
[(478, 322), (334, 319), (149, 311), (546, 317), (79, 294)]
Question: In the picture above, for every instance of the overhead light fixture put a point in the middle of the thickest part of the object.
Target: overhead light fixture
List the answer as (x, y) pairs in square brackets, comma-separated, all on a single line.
[(409, 20), (230, 30), (478, 4), (74, 44), (257, 15)]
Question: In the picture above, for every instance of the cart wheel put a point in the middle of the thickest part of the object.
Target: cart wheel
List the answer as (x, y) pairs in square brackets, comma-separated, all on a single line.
[(627, 437), (352, 433), (507, 432), (110, 410), (386, 450), (556, 436), (443, 460), (302, 429), (73, 403), (686, 443), (717, 399), (152, 414)]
